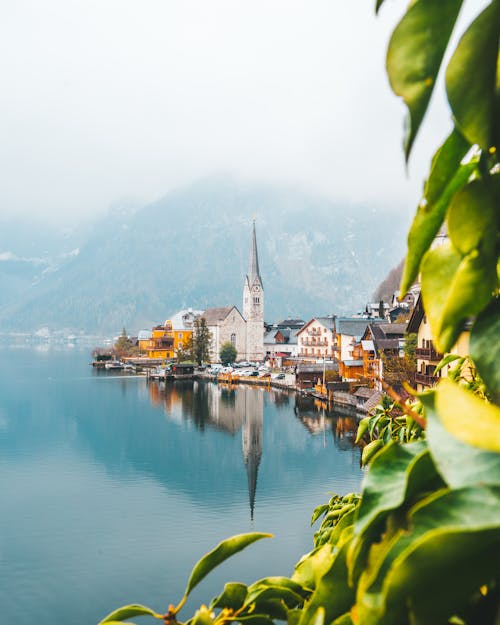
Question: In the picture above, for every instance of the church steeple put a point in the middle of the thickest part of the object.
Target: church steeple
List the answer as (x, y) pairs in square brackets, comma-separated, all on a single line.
[(253, 304), (253, 264)]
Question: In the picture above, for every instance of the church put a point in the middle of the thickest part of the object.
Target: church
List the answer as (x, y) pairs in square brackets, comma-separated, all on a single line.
[(245, 331)]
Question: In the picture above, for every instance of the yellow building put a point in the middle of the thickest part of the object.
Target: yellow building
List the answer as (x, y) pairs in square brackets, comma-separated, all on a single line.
[(161, 343), (164, 341), (428, 357)]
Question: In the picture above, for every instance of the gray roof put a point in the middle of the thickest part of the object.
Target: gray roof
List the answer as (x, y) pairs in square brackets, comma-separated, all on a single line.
[(364, 392), (352, 326), (388, 330), (214, 316), (373, 401), (291, 323)]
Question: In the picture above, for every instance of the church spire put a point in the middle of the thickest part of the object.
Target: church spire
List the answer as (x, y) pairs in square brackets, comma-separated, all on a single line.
[(253, 264)]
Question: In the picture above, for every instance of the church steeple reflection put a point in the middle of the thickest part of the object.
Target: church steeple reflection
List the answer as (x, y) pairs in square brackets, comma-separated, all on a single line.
[(222, 408), (251, 439)]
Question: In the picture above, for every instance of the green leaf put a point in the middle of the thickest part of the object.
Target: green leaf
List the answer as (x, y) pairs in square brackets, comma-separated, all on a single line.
[(387, 480), (294, 617), (485, 346), (448, 531), (378, 4), (318, 511), (447, 176), (278, 582), (362, 428), (127, 611), (222, 552), (264, 594), (415, 54), (311, 567), (233, 596), (345, 619), (460, 464), (471, 78), (446, 361), (468, 418), (255, 619), (271, 594), (332, 592), (399, 475), (370, 450), (472, 219), (453, 289)]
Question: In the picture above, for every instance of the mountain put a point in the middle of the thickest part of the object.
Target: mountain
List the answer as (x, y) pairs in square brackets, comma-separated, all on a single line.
[(136, 268)]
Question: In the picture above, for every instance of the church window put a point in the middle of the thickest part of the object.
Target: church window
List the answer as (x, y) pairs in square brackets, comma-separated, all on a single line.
[(256, 300), (233, 340)]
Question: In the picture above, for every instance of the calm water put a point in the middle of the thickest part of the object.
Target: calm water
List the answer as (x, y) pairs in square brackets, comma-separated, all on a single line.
[(110, 489)]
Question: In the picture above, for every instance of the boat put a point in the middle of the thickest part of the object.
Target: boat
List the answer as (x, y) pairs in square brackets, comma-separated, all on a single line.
[(114, 364)]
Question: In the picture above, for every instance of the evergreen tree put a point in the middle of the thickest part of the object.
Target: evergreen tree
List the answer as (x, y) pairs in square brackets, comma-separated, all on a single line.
[(202, 338)]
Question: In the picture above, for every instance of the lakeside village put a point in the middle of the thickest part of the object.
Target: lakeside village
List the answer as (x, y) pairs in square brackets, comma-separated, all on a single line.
[(346, 361)]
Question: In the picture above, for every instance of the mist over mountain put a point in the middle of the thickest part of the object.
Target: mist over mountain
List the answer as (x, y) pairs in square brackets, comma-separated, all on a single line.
[(134, 268)]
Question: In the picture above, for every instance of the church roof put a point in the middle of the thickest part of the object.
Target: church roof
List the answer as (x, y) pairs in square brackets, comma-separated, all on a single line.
[(213, 316)]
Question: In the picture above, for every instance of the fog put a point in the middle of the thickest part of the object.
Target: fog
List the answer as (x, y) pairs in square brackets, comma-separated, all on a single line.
[(113, 100)]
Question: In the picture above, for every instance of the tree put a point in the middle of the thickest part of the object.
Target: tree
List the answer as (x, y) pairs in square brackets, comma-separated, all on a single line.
[(185, 352), (228, 353), (123, 345), (202, 338), (400, 369)]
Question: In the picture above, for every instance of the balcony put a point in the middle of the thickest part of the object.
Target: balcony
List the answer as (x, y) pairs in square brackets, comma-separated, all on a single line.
[(314, 343), (428, 353), (163, 343), (426, 379)]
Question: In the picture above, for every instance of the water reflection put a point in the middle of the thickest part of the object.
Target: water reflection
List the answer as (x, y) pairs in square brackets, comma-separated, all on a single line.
[(230, 410), (105, 480)]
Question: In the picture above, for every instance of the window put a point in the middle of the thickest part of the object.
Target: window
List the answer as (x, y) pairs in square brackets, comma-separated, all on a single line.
[(256, 300), (233, 340)]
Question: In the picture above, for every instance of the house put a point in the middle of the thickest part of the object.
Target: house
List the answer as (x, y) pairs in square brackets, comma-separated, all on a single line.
[(427, 356), (182, 326), (346, 332), (281, 342), (315, 340), (379, 339), (143, 339), (161, 343)]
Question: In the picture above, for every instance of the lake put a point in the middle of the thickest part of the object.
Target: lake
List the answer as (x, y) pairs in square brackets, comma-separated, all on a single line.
[(112, 488)]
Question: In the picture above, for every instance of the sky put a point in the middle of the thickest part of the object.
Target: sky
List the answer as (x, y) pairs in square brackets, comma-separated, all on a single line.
[(110, 101)]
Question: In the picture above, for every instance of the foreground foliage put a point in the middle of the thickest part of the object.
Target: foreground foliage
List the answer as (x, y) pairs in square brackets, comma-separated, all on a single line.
[(421, 544)]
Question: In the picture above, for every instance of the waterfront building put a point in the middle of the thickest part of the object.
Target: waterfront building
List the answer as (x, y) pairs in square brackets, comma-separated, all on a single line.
[(182, 326), (161, 343), (315, 339)]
